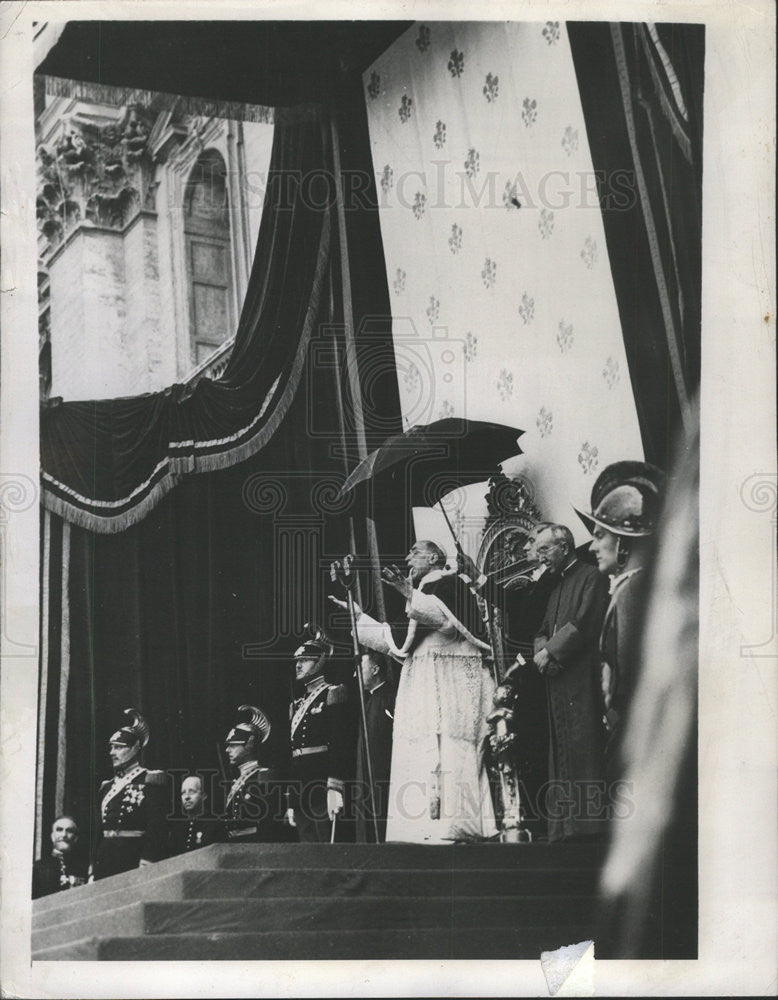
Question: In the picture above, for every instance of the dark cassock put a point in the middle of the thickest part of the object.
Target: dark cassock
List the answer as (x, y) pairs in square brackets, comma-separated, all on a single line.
[(57, 872), (570, 630), (379, 714), (522, 609)]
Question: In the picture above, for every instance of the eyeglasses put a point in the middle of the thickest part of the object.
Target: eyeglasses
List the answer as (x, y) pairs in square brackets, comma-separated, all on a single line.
[(543, 549)]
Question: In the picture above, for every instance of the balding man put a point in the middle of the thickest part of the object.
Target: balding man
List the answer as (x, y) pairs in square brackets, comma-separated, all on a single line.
[(566, 654)]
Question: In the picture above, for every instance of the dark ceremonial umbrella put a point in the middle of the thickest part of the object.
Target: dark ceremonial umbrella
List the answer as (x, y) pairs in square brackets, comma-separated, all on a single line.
[(434, 459)]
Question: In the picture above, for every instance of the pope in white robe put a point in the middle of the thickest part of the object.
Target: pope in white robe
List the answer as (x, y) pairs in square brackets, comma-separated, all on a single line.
[(438, 787)]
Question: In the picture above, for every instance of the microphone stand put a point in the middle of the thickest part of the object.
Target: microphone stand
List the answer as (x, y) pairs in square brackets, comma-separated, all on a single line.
[(342, 573)]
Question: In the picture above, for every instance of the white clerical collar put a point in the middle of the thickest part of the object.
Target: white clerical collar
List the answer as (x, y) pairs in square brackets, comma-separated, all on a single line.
[(572, 563), (616, 581)]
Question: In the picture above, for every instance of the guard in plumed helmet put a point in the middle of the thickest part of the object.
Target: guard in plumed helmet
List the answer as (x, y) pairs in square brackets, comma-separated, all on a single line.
[(322, 748), (254, 808), (133, 804), (626, 506)]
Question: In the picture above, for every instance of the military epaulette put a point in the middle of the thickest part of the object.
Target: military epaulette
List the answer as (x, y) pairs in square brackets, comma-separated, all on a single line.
[(336, 694), (156, 778)]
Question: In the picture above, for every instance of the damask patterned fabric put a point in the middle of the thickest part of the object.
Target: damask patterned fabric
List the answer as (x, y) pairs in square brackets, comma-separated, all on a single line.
[(502, 297)]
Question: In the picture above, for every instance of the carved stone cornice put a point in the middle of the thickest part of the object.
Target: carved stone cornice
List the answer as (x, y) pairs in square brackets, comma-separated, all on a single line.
[(94, 170)]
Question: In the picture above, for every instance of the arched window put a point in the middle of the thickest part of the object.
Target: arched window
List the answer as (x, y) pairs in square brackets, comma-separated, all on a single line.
[(208, 256)]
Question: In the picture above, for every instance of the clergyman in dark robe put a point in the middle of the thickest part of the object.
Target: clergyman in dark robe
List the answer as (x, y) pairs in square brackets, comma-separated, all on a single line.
[(567, 655)]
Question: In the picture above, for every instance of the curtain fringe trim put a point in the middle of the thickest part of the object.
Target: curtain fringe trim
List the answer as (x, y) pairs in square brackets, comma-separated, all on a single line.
[(179, 467)]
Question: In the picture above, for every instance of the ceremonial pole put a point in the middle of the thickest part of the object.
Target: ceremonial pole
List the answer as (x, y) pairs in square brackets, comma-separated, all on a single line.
[(341, 572)]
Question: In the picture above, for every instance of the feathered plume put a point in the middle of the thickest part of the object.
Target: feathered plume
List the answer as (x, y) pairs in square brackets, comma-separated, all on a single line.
[(257, 719), (137, 726)]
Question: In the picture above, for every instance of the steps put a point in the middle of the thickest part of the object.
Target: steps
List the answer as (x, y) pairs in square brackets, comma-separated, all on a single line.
[(322, 901)]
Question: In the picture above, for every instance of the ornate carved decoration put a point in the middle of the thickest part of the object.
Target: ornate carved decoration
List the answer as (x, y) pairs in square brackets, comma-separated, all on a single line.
[(512, 513), (94, 171)]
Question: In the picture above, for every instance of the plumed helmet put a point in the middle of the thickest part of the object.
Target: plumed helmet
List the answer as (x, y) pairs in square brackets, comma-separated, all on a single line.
[(136, 730), (627, 499), (255, 724), (318, 647)]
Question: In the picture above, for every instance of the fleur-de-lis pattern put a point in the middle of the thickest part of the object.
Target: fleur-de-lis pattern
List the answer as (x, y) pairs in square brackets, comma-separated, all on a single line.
[(489, 272), (527, 309), (589, 252), (510, 196), (491, 88), (611, 372), (515, 308), (570, 140), (564, 336), (423, 38), (456, 63), (374, 87), (588, 457), (545, 422), (505, 384), (404, 111), (387, 179), (529, 111)]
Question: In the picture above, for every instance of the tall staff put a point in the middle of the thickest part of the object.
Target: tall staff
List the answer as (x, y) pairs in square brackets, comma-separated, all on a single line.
[(340, 572)]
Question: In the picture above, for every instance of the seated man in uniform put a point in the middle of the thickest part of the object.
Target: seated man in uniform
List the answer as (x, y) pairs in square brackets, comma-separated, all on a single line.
[(253, 807), (133, 805), (65, 866), (193, 829), (321, 746)]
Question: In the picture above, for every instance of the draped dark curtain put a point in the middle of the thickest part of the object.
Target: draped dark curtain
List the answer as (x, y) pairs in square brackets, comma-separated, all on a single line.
[(106, 463), (641, 89), (189, 601)]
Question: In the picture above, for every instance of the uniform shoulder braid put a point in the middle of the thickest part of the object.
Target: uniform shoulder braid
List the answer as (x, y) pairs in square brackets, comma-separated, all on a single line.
[(156, 777), (337, 694)]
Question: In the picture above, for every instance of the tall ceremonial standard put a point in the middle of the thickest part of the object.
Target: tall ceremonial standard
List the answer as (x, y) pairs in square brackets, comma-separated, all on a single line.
[(439, 788)]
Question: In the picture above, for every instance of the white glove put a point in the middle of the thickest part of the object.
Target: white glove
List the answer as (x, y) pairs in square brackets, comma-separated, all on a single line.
[(334, 802), (290, 817)]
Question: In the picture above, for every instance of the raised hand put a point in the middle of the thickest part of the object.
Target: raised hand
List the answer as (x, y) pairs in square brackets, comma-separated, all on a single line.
[(394, 577), (344, 604)]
